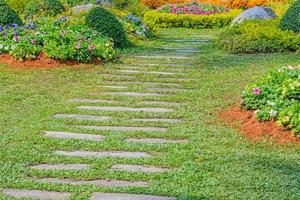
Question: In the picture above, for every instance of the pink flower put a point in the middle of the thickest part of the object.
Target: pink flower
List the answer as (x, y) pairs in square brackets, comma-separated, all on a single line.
[(256, 91), (92, 47), (33, 41), (78, 46), (16, 38)]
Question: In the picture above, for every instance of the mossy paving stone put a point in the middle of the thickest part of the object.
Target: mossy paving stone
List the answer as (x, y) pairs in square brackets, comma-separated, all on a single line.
[(60, 167), (124, 196), (69, 135), (36, 194), (123, 109)]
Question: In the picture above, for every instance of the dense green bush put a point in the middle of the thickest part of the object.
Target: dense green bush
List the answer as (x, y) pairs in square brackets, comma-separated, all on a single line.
[(8, 15), (43, 7), (18, 5), (120, 4), (105, 22), (276, 97), (291, 20), (258, 37), (170, 20)]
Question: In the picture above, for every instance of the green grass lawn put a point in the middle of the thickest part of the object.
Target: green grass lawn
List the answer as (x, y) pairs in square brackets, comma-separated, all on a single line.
[(217, 163)]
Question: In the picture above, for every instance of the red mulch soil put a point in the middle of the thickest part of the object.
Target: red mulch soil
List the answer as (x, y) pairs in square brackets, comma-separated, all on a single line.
[(41, 62), (246, 122)]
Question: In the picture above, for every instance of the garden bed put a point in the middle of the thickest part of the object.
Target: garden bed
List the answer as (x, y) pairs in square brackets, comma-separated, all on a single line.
[(246, 122), (42, 61)]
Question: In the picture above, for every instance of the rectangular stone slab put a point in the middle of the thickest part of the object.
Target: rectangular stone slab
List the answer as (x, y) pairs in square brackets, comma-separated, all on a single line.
[(124, 109), (156, 120), (135, 94), (83, 117), (103, 183), (125, 128), (60, 167), (155, 140), (149, 83), (103, 154), (145, 72), (36, 194), (138, 168), (163, 57), (68, 135), (77, 100), (124, 196)]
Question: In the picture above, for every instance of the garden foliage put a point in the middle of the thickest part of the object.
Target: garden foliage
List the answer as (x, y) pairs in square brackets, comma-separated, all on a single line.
[(291, 20), (170, 20), (78, 43), (276, 97), (8, 15), (106, 23), (258, 37), (37, 8)]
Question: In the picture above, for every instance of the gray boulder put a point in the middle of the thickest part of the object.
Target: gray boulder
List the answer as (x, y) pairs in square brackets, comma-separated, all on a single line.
[(257, 12), (81, 8)]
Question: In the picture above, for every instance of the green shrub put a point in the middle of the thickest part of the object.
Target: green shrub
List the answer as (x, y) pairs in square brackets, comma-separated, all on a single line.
[(258, 37), (291, 19), (105, 22), (276, 97), (120, 4), (43, 7), (8, 15), (170, 20), (18, 5)]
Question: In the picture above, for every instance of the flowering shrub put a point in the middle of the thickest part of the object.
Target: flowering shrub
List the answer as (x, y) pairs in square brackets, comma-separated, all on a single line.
[(276, 97), (258, 37), (73, 43), (170, 20), (192, 8)]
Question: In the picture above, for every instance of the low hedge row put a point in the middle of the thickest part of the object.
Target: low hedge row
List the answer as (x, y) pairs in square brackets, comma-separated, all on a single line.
[(170, 20), (258, 37)]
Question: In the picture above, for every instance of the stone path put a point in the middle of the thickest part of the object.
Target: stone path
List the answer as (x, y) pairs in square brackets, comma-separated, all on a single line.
[(153, 83)]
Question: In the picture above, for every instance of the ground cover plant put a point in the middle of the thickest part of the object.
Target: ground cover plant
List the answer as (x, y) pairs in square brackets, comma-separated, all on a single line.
[(258, 36), (192, 8), (276, 97)]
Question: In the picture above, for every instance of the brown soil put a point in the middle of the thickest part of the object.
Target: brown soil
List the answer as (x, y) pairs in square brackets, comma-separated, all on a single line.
[(246, 122), (41, 62)]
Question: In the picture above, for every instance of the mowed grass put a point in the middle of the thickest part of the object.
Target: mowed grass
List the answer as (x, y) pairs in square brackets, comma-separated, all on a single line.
[(217, 163)]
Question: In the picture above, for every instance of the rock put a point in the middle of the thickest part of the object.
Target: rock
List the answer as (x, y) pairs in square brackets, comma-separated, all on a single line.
[(256, 12)]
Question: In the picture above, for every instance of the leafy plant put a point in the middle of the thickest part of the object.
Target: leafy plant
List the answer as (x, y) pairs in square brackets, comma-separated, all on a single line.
[(105, 22), (276, 97), (291, 20)]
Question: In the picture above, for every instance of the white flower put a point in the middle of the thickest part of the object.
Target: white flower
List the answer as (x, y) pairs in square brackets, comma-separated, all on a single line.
[(273, 113), (1, 46), (270, 103), (256, 112)]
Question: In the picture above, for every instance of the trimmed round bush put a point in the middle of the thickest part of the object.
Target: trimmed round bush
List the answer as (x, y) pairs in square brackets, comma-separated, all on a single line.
[(8, 15), (43, 7), (291, 19), (105, 22)]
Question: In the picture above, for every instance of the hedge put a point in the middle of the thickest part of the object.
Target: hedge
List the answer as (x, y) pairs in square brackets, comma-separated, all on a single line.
[(170, 20)]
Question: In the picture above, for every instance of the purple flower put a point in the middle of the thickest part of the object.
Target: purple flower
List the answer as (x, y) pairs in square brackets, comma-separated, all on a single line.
[(3, 34)]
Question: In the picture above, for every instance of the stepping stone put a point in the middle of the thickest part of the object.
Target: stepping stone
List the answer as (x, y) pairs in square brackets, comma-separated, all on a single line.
[(134, 94), (124, 109), (113, 87), (161, 103), (103, 154), (60, 167), (156, 120), (36, 194), (149, 83), (83, 117), (138, 168), (124, 196), (117, 76), (155, 140), (102, 183), (168, 89), (90, 101), (168, 65), (67, 135), (193, 41), (145, 72), (177, 70), (125, 128), (163, 57)]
